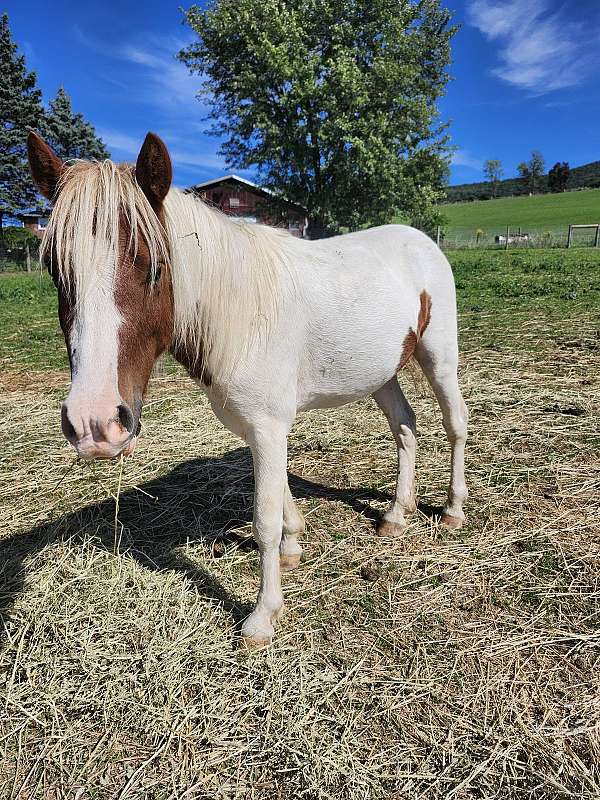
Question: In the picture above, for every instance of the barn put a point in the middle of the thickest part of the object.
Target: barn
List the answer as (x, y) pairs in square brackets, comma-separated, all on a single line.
[(245, 200), (35, 220)]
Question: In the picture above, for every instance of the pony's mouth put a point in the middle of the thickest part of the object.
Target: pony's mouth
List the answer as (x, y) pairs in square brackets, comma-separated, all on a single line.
[(115, 438), (89, 449)]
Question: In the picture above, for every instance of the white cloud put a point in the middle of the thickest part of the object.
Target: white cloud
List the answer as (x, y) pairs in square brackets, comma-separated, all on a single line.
[(540, 50), (461, 158), (160, 79), (200, 159), (124, 144), (166, 81)]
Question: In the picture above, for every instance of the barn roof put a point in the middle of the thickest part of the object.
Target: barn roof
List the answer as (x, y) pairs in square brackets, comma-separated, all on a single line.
[(231, 177)]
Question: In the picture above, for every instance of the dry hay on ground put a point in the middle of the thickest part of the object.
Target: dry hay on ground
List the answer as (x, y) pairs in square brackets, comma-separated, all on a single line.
[(439, 665)]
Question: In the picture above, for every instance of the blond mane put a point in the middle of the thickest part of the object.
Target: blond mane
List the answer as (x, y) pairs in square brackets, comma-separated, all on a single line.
[(229, 278)]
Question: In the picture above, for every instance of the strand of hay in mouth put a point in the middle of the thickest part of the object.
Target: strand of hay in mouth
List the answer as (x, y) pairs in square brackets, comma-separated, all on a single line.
[(93, 199)]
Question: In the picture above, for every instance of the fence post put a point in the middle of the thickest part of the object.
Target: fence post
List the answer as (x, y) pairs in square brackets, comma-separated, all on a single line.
[(439, 233), (570, 236), (507, 235), (28, 257), (597, 240)]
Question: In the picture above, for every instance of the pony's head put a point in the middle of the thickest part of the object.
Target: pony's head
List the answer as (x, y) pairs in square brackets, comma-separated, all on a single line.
[(107, 250)]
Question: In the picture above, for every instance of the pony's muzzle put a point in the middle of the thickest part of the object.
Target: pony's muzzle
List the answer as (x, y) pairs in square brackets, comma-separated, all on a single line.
[(106, 431)]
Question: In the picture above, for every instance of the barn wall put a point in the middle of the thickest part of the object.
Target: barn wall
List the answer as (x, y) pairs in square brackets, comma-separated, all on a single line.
[(241, 202)]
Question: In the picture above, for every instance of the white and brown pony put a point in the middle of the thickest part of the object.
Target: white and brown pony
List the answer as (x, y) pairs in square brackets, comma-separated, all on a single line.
[(267, 324)]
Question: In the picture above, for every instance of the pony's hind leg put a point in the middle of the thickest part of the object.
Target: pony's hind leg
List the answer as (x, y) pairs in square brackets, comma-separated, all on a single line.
[(402, 422), (290, 551), (440, 366)]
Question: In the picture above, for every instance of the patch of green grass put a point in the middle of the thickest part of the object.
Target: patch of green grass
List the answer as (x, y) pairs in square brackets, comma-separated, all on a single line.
[(558, 280), (30, 335), (540, 213)]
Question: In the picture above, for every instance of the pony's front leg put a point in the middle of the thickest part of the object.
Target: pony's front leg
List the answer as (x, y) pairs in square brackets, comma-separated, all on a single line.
[(269, 452)]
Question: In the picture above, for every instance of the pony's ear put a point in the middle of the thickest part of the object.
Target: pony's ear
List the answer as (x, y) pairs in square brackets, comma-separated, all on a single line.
[(153, 169), (46, 167)]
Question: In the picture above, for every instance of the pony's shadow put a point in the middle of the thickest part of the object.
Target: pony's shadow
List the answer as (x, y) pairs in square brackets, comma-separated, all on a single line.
[(201, 500)]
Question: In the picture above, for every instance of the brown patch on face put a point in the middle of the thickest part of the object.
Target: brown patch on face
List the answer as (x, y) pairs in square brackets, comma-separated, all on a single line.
[(413, 337), (66, 303), (147, 311)]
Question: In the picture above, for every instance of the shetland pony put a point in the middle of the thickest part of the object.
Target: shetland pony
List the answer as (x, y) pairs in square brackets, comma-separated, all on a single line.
[(267, 324)]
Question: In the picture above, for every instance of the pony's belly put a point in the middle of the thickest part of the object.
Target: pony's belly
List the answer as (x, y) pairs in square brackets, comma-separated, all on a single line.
[(329, 388), (332, 400)]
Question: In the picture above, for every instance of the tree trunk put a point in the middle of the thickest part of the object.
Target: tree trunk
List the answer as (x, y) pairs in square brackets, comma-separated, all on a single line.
[(316, 229)]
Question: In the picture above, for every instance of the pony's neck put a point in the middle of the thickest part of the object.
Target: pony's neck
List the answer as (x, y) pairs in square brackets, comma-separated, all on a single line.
[(230, 280)]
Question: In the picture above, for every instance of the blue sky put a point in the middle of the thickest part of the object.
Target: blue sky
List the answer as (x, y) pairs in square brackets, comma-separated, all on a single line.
[(524, 77)]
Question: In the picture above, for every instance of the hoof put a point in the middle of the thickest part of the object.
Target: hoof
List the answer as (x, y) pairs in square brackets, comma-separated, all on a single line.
[(451, 522), (288, 563), (256, 635), (390, 529), (255, 642)]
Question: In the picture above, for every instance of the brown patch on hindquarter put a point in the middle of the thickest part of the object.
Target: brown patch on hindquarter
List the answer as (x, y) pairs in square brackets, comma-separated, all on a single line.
[(413, 337)]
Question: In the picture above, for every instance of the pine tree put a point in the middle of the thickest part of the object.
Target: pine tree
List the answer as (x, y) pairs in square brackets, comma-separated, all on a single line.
[(20, 110), (69, 134)]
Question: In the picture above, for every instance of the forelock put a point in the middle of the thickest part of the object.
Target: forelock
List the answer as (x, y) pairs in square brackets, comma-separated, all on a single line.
[(93, 199)]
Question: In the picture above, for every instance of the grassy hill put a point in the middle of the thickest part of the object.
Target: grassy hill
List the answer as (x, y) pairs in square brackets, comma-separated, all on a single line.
[(538, 214)]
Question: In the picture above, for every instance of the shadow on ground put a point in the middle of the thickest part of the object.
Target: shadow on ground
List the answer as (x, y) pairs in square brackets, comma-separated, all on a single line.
[(204, 499)]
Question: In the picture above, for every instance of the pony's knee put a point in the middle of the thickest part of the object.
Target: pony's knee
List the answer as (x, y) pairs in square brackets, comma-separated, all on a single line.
[(456, 424), (410, 419)]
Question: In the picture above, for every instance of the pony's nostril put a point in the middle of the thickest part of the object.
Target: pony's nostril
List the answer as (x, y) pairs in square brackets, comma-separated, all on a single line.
[(126, 417), (67, 428)]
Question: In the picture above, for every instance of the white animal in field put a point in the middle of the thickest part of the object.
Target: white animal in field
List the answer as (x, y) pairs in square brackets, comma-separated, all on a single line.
[(267, 324)]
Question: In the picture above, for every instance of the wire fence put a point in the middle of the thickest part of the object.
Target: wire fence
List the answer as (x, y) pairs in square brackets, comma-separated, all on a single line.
[(18, 257), (510, 237), (23, 257)]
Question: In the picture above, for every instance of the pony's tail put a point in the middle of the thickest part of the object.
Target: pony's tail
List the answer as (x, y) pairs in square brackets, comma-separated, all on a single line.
[(413, 337)]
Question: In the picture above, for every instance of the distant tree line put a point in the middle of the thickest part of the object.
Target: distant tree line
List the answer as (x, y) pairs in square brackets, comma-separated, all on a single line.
[(21, 110), (532, 180)]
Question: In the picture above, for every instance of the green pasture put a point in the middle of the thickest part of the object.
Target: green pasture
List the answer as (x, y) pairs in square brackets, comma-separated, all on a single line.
[(540, 214)]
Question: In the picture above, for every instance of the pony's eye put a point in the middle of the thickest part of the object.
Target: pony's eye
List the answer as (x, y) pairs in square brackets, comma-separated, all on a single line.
[(154, 277)]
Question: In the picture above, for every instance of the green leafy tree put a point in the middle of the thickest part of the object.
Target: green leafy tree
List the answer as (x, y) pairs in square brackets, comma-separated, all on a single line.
[(68, 133), (537, 166), (558, 176), (20, 110), (531, 171), (493, 171), (333, 101), (524, 173)]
